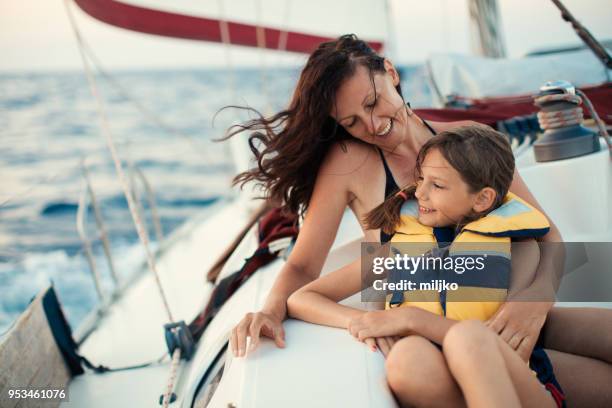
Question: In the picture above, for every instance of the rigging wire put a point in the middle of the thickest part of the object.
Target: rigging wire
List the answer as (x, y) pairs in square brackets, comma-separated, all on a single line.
[(146, 112), (28, 191), (105, 129), (49, 179)]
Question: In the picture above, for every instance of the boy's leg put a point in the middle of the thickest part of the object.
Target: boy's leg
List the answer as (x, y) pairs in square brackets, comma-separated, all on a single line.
[(418, 376), (489, 372)]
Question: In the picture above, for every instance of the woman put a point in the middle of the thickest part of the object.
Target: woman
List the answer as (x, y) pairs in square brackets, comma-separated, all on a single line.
[(348, 139)]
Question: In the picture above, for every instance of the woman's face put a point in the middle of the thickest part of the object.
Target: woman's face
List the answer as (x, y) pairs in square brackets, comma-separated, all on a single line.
[(375, 114)]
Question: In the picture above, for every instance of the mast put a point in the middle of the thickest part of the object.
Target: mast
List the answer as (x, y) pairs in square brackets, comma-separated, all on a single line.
[(486, 29)]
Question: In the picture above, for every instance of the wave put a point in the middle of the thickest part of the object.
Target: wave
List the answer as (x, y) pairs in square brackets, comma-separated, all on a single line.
[(71, 276), (119, 202), (59, 208), (190, 202)]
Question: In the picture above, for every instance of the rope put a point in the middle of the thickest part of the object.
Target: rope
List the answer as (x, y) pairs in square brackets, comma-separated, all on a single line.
[(176, 359), (603, 131), (105, 128), (561, 118), (99, 369), (30, 189), (569, 116)]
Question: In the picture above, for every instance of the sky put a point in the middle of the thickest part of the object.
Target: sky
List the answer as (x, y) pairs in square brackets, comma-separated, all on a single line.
[(35, 35)]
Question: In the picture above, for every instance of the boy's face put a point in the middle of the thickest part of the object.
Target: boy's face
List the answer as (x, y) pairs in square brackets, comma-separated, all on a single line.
[(444, 198)]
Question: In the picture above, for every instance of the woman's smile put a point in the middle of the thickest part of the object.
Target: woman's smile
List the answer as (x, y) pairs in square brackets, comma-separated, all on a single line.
[(386, 130)]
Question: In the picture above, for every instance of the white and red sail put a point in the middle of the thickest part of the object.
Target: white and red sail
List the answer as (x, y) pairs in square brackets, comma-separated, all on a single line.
[(182, 25)]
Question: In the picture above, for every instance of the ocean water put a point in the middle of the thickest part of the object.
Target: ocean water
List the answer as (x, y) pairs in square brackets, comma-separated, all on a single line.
[(162, 123)]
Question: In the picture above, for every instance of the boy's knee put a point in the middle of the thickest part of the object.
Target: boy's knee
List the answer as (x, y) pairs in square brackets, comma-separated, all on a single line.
[(406, 357), (465, 341), (464, 334), (412, 373)]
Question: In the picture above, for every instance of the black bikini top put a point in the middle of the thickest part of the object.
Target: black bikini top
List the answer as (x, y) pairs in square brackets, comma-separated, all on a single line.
[(390, 184)]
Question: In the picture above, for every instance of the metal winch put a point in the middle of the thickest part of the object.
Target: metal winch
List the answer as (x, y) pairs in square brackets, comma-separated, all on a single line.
[(561, 117)]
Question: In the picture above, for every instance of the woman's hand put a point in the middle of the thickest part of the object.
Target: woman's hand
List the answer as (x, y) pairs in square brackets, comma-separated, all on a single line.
[(519, 323), (379, 323), (253, 325)]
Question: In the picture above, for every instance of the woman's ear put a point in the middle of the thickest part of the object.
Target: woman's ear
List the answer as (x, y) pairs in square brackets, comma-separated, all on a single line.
[(484, 200), (392, 71)]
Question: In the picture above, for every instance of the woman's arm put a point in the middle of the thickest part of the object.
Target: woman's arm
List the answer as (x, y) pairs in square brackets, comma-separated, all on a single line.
[(317, 302), (552, 256), (329, 199), (520, 319)]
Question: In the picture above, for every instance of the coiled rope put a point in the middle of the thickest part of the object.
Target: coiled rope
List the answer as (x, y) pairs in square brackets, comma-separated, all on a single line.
[(569, 116)]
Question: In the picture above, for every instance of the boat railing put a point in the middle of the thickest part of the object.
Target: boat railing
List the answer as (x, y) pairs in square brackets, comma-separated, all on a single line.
[(135, 172), (87, 191)]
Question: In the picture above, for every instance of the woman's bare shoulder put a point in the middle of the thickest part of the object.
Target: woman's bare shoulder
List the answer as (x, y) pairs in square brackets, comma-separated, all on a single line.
[(348, 158)]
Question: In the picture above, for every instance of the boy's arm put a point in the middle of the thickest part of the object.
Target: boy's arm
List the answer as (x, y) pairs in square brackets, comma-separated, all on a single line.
[(401, 321), (317, 302), (429, 325)]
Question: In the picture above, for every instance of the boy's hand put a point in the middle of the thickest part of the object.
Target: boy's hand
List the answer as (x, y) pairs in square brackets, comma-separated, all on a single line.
[(384, 344), (379, 323)]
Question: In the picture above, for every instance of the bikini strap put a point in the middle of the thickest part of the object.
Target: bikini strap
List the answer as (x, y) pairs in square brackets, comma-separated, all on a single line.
[(433, 132), (390, 184)]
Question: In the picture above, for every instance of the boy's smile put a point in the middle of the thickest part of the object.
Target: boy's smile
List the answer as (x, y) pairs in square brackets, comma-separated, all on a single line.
[(444, 198)]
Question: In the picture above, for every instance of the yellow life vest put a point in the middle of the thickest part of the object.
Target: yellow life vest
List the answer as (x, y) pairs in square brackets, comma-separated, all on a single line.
[(479, 293)]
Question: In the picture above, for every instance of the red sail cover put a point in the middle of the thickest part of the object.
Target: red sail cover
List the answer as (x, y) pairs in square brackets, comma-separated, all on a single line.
[(170, 24), (491, 110)]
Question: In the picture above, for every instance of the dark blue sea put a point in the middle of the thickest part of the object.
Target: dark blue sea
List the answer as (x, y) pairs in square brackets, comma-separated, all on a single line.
[(162, 123)]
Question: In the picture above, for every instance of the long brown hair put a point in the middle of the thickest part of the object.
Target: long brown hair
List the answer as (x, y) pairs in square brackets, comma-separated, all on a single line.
[(290, 146), (482, 157)]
